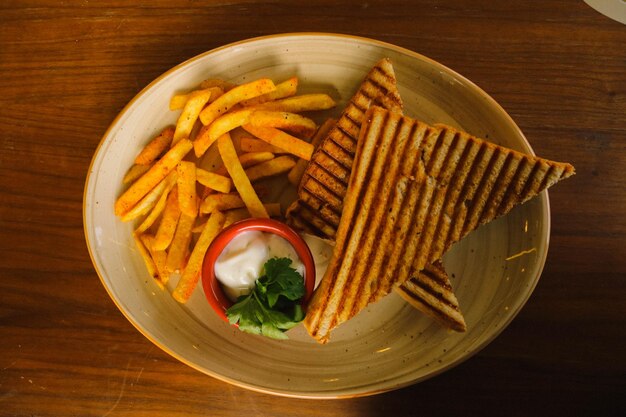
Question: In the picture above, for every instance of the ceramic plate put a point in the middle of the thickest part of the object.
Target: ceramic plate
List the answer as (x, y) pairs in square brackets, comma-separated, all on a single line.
[(390, 345)]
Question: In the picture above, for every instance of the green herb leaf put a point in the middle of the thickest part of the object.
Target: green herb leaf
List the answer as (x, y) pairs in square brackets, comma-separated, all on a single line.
[(281, 279), (273, 306)]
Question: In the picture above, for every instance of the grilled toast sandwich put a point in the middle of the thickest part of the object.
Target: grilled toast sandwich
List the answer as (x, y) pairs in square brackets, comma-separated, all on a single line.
[(415, 190), (319, 206)]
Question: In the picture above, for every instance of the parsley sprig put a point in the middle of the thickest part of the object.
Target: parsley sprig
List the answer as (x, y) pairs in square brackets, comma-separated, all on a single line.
[(273, 306)]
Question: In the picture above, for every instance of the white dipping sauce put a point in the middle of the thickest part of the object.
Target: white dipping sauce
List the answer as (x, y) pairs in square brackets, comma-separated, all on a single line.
[(241, 262)]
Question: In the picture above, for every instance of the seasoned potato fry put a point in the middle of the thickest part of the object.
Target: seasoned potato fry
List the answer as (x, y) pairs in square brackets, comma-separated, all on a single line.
[(240, 180), (236, 135), (135, 172), (295, 175), (178, 101), (152, 177), (292, 122), (298, 104), (223, 124), (234, 96), (190, 276), (155, 147), (150, 200), (285, 89), (253, 158), (221, 202), (258, 145), (158, 208), (282, 140), (191, 111), (247, 160), (275, 166), (180, 244), (147, 258), (211, 160), (219, 83), (158, 258), (187, 198), (169, 221), (213, 181)]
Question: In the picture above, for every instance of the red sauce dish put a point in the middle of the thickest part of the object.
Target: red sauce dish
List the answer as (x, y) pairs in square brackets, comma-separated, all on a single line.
[(213, 289)]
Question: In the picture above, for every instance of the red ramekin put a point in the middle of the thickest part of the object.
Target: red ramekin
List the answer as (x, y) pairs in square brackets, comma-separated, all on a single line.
[(212, 287)]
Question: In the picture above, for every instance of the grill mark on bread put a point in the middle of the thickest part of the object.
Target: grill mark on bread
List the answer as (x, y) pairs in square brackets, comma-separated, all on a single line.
[(430, 289), (446, 313), (392, 253), (326, 177), (370, 195), (387, 208), (378, 88), (458, 148), (457, 185), (489, 208), (345, 232), (523, 165), (473, 181), (369, 202), (488, 189), (337, 156), (323, 210), (322, 192)]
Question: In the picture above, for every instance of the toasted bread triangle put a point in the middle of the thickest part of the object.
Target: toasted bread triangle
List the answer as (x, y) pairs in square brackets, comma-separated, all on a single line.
[(414, 191), (318, 209)]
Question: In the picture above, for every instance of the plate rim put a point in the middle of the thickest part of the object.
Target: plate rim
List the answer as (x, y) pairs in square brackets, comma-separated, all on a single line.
[(352, 392)]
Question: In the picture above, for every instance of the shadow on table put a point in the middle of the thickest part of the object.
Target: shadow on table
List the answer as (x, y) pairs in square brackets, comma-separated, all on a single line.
[(478, 388)]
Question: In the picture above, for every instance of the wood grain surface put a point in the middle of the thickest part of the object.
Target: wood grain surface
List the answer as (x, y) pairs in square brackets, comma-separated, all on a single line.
[(67, 68)]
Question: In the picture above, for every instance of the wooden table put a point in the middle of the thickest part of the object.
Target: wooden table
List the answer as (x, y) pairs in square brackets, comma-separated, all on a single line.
[(66, 70)]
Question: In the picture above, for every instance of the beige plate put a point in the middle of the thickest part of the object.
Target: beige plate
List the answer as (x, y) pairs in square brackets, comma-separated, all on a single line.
[(389, 345)]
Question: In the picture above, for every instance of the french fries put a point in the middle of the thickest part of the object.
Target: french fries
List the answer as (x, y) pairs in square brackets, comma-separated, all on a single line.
[(292, 122), (169, 221), (258, 145), (147, 258), (178, 101), (252, 158), (155, 147), (217, 82), (135, 172), (187, 199), (224, 124), (234, 96), (182, 199), (283, 140), (179, 247), (213, 181), (152, 177), (189, 277), (158, 208), (270, 168), (240, 180), (298, 104), (149, 201), (190, 113), (285, 89), (221, 202), (158, 259)]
